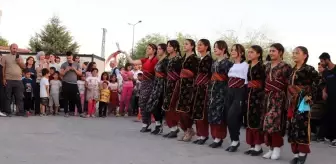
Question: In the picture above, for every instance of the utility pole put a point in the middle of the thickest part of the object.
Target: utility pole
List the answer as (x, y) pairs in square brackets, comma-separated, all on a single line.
[(133, 24), (103, 44)]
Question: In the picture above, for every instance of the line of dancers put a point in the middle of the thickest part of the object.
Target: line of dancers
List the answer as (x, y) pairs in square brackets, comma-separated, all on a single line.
[(188, 89)]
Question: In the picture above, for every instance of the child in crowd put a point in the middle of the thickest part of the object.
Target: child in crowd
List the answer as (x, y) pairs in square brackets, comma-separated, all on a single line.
[(104, 77), (52, 71), (44, 91), (127, 89), (81, 88), (136, 94), (55, 90), (114, 99), (104, 99), (92, 94), (28, 91)]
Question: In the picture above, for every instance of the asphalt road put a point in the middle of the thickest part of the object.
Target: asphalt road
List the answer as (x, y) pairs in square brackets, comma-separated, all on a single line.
[(59, 140)]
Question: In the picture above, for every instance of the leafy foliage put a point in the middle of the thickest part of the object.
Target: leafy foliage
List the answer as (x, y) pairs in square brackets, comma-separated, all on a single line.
[(255, 37), (3, 41), (53, 38), (141, 45)]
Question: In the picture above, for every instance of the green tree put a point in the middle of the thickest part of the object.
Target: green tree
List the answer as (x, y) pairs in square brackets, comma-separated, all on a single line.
[(180, 37), (121, 61), (3, 41), (255, 37), (141, 45), (53, 38)]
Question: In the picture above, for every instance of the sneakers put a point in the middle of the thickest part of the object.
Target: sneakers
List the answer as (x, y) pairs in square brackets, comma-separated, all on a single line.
[(333, 144), (268, 154), (3, 114), (158, 130), (276, 153)]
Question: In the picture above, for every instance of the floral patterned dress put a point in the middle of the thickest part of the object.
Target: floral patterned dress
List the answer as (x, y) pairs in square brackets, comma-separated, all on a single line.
[(172, 87), (217, 91), (201, 86), (187, 75), (275, 97), (158, 86), (255, 105), (301, 82)]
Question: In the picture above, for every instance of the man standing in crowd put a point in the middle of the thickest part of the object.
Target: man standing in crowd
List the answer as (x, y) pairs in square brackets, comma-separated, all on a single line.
[(70, 70), (328, 128), (2, 97), (115, 70), (12, 75)]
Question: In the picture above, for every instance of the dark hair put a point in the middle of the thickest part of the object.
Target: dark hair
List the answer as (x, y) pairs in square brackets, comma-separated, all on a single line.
[(58, 73), (259, 50), (221, 44), (192, 42), (127, 65), (163, 46), (45, 71), (305, 51), (104, 73), (176, 45), (94, 69), (69, 53), (90, 66), (26, 70), (324, 56), (113, 75), (140, 74), (74, 57), (268, 58), (280, 48), (86, 63), (53, 68), (30, 57), (206, 42), (154, 47), (241, 51), (57, 57)]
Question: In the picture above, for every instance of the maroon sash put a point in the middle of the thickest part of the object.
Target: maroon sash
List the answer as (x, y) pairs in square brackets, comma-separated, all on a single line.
[(254, 84), (148, 75), (274, 86), (235, 82), (202, 78), (160, 74), (173, 76), (219, 77), (186, 73)]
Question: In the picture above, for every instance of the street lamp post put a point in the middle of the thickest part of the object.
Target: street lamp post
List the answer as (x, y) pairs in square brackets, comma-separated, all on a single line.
[(133, 24)]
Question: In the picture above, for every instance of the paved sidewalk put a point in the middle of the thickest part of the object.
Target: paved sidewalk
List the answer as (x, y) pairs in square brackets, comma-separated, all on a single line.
[(59, 140)]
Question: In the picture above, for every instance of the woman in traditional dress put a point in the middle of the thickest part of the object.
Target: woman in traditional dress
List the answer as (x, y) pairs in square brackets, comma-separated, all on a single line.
[(154, 104), (172, 88), (217, 93), (185, 102), (277, 74), (146, 88), (236, 95), (300, 92), (255, 111), (200, 108)]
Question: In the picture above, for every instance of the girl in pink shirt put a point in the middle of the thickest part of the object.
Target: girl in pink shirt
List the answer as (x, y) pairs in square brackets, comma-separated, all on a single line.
[(127, 89)]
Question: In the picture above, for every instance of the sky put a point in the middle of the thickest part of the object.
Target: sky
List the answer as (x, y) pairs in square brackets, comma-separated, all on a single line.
[(308, 23)]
